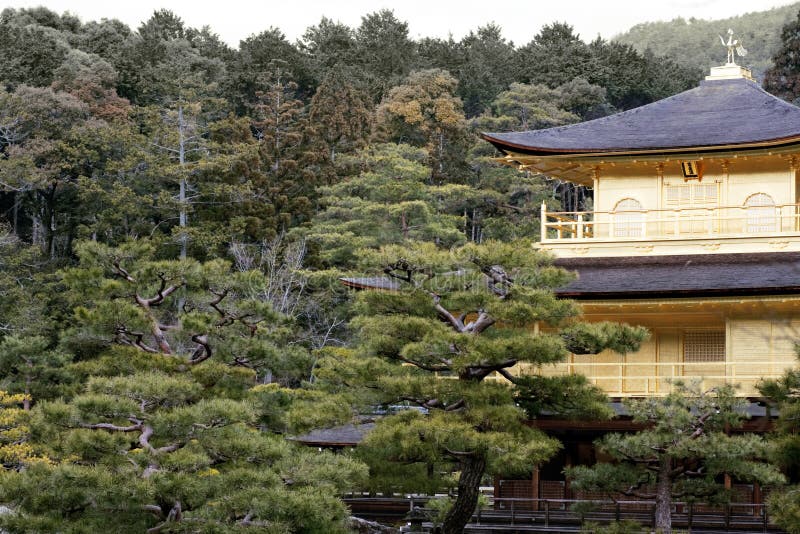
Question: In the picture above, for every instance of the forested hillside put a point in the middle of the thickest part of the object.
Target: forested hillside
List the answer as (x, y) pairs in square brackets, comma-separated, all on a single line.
[(695, 42), (175, 219)]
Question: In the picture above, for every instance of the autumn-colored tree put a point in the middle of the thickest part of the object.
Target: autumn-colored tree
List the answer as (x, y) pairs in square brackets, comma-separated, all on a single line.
[(426, 112)]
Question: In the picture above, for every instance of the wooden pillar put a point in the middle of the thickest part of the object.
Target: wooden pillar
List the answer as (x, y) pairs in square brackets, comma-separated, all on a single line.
[(535, 488), (596, 187)]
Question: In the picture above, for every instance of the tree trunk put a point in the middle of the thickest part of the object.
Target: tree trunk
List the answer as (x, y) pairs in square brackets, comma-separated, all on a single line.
[(15, 216), (182, 193), (664, 498), (469, 483), (26, 402)]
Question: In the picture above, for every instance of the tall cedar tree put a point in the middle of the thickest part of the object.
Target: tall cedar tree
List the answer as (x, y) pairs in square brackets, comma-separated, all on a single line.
[(683, 452), (281, 127), (455, 318), (341, 114)]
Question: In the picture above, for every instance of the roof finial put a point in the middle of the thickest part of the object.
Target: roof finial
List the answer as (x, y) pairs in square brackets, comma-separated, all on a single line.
[(734, 47)]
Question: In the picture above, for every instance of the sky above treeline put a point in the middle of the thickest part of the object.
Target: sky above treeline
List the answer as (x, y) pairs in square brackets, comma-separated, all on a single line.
[(234, 20)]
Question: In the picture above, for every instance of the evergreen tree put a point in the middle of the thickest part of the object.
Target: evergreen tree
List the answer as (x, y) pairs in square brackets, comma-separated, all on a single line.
[(783, 76), (329, 44), (556, 55), (389, 202), (487, 68), (340, 113), (682, 452), (526, 107), (30, 368), (384, 51), (256, 58), (281, 126), (424, 111), (441, 319), (784, 505)]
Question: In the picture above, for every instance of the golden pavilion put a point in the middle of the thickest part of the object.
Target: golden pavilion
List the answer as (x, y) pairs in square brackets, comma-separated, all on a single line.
[(695, 232)]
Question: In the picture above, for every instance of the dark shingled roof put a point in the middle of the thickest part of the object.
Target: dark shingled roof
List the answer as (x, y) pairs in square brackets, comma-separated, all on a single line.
[(717, 113), (681, 276), (340, 436), (378, 282)]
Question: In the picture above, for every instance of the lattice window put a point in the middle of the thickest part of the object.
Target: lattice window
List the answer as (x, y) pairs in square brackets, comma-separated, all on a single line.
[(628, 218), (761, 213), (705, 193), (687, 195), (704, 346), (677, 195)]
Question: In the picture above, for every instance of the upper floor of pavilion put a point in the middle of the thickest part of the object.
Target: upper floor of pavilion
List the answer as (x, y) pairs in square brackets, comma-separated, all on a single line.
[(710, 170)]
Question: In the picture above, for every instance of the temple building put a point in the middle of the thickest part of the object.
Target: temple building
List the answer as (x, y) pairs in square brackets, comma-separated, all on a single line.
[(695, 232)]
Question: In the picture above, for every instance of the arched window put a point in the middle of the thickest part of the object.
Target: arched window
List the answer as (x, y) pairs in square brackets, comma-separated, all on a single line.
[(628, 218), (760, 214)]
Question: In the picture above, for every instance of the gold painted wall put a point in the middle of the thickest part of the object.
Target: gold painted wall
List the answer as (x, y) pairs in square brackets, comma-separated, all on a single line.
[(754, 349), (739, 179), (760, 347)]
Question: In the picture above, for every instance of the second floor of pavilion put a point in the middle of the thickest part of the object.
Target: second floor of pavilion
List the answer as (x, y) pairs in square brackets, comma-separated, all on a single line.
[(713, 169)]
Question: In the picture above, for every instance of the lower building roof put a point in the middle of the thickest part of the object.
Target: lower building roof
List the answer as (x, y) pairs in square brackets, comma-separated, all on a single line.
[(774, 273), (339, 436)]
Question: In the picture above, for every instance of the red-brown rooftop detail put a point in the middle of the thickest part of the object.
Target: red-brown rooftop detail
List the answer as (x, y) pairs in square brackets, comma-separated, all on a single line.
[(733, 113)]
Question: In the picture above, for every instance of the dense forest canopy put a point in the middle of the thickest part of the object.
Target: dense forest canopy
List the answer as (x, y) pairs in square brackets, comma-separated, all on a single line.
[(175, 219)]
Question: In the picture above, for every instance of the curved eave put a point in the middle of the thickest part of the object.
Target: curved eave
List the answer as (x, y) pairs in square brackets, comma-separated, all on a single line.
[(509, 148)]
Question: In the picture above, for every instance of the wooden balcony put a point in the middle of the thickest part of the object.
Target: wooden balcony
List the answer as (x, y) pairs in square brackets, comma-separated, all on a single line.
[(633, 227), (651, 378)]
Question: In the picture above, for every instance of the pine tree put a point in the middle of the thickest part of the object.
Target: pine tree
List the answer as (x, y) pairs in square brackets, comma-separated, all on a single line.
[(452, 319), (389, 202), (169, 425), (784, 505), (681, 453)]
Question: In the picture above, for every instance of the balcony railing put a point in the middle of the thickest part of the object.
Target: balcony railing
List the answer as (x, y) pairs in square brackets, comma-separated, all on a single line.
[(675, 223), (626, 379)]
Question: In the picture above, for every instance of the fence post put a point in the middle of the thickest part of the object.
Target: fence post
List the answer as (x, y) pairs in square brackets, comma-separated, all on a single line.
[(727, 515), (764, 512), (691, 516), (513, 514), (547, 514), (616, 512)]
